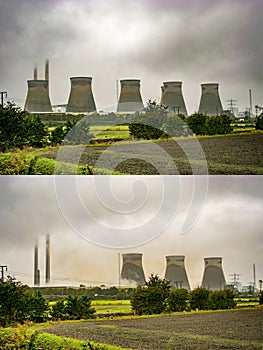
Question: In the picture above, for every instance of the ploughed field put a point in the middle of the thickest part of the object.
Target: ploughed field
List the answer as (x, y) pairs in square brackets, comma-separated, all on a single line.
[(229, 155), (239, 329)]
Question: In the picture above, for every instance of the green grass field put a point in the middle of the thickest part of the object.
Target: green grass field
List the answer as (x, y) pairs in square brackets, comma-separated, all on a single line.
[(111, 306), (109, 132)]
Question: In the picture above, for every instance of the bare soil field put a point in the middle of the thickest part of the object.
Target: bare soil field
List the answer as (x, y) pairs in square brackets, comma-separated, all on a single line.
[(223, 155), (238, 329)]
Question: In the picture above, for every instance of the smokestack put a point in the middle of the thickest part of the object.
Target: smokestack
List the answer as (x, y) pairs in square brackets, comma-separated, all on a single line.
[(210, 102), (47, 70), (36, 270), (254, 276), (47, 259), (172, 97), (81, 97), (213, 277), (37, 99), (250, 103), (132, 269), (130, 99), (35, 72), (176, 272)]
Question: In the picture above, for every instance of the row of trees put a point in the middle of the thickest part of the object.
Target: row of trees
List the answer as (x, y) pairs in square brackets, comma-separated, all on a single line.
[(19, 129), (157, 122), (157, 296), (19, 303)]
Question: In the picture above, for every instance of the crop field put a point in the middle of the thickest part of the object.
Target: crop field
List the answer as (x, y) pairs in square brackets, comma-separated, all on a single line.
[(116, 131), (224, 155), (239, 329), (111, 306)]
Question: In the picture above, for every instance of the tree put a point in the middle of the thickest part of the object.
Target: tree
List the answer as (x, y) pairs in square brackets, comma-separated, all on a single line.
[(36, 306), (77, 132), (18, 129), (18, 303), (78, 307), (199, 299), (58, 311), (222, 299), (259, 122), (57, 135), (177, 300), (218, 125), (197, 124), (151, 299), (148, 124), (175, 125)]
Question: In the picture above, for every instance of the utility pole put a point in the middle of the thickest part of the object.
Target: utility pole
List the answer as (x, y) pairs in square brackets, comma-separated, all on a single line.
[(232, 105), (2, 267), (3, 94)]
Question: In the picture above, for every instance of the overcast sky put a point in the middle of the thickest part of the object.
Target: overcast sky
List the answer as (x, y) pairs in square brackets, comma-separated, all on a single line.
[(138, 220), (193, 41)]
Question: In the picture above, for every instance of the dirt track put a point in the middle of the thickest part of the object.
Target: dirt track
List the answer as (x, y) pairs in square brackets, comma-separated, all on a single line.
[(218, 330)]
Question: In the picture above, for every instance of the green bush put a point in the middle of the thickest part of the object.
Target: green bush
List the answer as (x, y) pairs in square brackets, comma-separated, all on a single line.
[(222, 299), (151, 299), (28, 339), (199, 299), (177, 300)]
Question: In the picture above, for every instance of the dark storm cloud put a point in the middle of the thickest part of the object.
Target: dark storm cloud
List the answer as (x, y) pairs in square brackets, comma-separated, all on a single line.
[(195, 41)]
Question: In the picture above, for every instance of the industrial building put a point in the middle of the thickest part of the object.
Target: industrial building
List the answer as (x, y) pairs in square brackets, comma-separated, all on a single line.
[(132, 269)]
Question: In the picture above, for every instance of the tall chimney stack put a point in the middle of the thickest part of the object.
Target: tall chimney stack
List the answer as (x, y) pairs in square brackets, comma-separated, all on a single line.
[(47, 259), (47, 70), (36, 270), (35, 72)]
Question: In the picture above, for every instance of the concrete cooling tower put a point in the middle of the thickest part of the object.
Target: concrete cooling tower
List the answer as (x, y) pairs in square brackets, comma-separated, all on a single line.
[(176, 272), (210, 103), (37, 99), (213, 277), (130, 99), (132, 269), (172, 97), (81, 98)]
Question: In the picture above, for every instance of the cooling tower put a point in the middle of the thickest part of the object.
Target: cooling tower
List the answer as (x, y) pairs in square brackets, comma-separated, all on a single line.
[(36, 270), (210, 103), (47, 259), (176, 272), (81, 98), (213, 277), (132, 269), (172, 97), (37, 99), (130, 99)]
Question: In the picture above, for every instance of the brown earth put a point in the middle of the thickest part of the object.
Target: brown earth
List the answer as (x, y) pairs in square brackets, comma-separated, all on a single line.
[(239, 329), (228, 155)]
